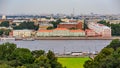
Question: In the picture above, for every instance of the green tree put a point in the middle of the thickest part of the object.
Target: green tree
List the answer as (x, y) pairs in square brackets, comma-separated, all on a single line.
[(1, 32), (54, 24), (43, 62), (53, 60), (5, 66), (38, 53), (114, 44), (6, 50), (85, 25), (27, 25), (50, 28), (23, 55), (59, 21), (109, 57), (5, 24)]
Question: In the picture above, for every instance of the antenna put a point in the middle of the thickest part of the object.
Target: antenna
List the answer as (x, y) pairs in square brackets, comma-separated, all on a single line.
[(72, 14), (64, 50)]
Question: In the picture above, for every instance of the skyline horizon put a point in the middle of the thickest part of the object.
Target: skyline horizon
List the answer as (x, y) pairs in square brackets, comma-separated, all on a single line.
[(76, 7), (58, 13)]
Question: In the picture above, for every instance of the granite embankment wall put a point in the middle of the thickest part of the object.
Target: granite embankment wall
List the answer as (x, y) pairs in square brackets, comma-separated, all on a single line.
[(75, 38)]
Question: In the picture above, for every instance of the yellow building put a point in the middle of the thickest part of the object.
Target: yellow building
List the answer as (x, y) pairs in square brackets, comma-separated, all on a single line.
[(22, 33)]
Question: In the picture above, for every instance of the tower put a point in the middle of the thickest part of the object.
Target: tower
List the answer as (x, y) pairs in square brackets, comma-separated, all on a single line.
[(3, 17), (72, 14)]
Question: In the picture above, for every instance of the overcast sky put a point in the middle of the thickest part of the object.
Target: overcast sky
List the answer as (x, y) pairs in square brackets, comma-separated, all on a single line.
[(59, 6)]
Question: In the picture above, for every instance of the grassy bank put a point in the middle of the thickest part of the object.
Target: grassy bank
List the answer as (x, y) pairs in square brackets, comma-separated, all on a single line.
[(72, 62)]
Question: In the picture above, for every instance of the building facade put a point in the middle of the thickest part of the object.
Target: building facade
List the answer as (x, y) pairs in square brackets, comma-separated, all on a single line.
[(22, 33), (100, 29), (90, 33), (69, 25), (60, 32)]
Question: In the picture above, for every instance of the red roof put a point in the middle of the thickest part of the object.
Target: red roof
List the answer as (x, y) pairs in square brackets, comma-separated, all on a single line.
[(88, 30), (76, 30), (45, 30), (61, 29)]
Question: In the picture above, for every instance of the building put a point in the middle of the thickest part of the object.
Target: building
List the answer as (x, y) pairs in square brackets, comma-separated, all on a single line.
[(44, 33), (113, 21), (68, 25), (6, 28), (4, 17), (44, 25), (19, 21), (90, 33), (100, 29), (22, 33), (60, 32), (77, 33), (76, 53)]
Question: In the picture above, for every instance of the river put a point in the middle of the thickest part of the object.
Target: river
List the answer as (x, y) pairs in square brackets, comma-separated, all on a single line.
[(61, 46)]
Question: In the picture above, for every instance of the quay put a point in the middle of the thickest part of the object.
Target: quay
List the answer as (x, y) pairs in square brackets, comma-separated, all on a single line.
[(75, 38), (66, 38)]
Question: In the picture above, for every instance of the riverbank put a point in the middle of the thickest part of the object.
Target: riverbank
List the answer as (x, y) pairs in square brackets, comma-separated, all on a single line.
[(75, 38), (60, 38)]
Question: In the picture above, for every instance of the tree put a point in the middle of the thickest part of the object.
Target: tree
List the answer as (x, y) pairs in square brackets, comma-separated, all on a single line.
[(27, 25), (6, 50), (54, 24), (53, 60), (5, 24), (50, 28), (36, 27), (38, 53), (1, 32), (43, 62), (109, 57), (85, 25), (23, 55), (59, 21), (114, 44), (12, 57), (5, 66)]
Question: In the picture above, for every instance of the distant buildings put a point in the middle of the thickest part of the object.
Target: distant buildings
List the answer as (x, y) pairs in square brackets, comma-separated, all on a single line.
[(69, 25), (64, 28), (90, 33), (113, 21)]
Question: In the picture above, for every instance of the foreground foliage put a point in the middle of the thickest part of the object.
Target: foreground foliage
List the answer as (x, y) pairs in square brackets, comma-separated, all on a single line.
[(109, 57), (13, 57)]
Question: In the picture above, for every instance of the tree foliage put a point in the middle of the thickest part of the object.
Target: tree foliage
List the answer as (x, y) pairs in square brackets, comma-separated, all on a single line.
[(27, 25), (55, 23), (13, 57), (50, 28), (5, 24), (109, 57), (5, 32)]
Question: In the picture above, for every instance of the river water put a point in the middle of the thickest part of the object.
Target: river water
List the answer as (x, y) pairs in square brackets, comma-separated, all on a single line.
[(61, 46)]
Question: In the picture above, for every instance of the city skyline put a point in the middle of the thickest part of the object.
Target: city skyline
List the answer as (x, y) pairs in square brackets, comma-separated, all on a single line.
[(37, 7)]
